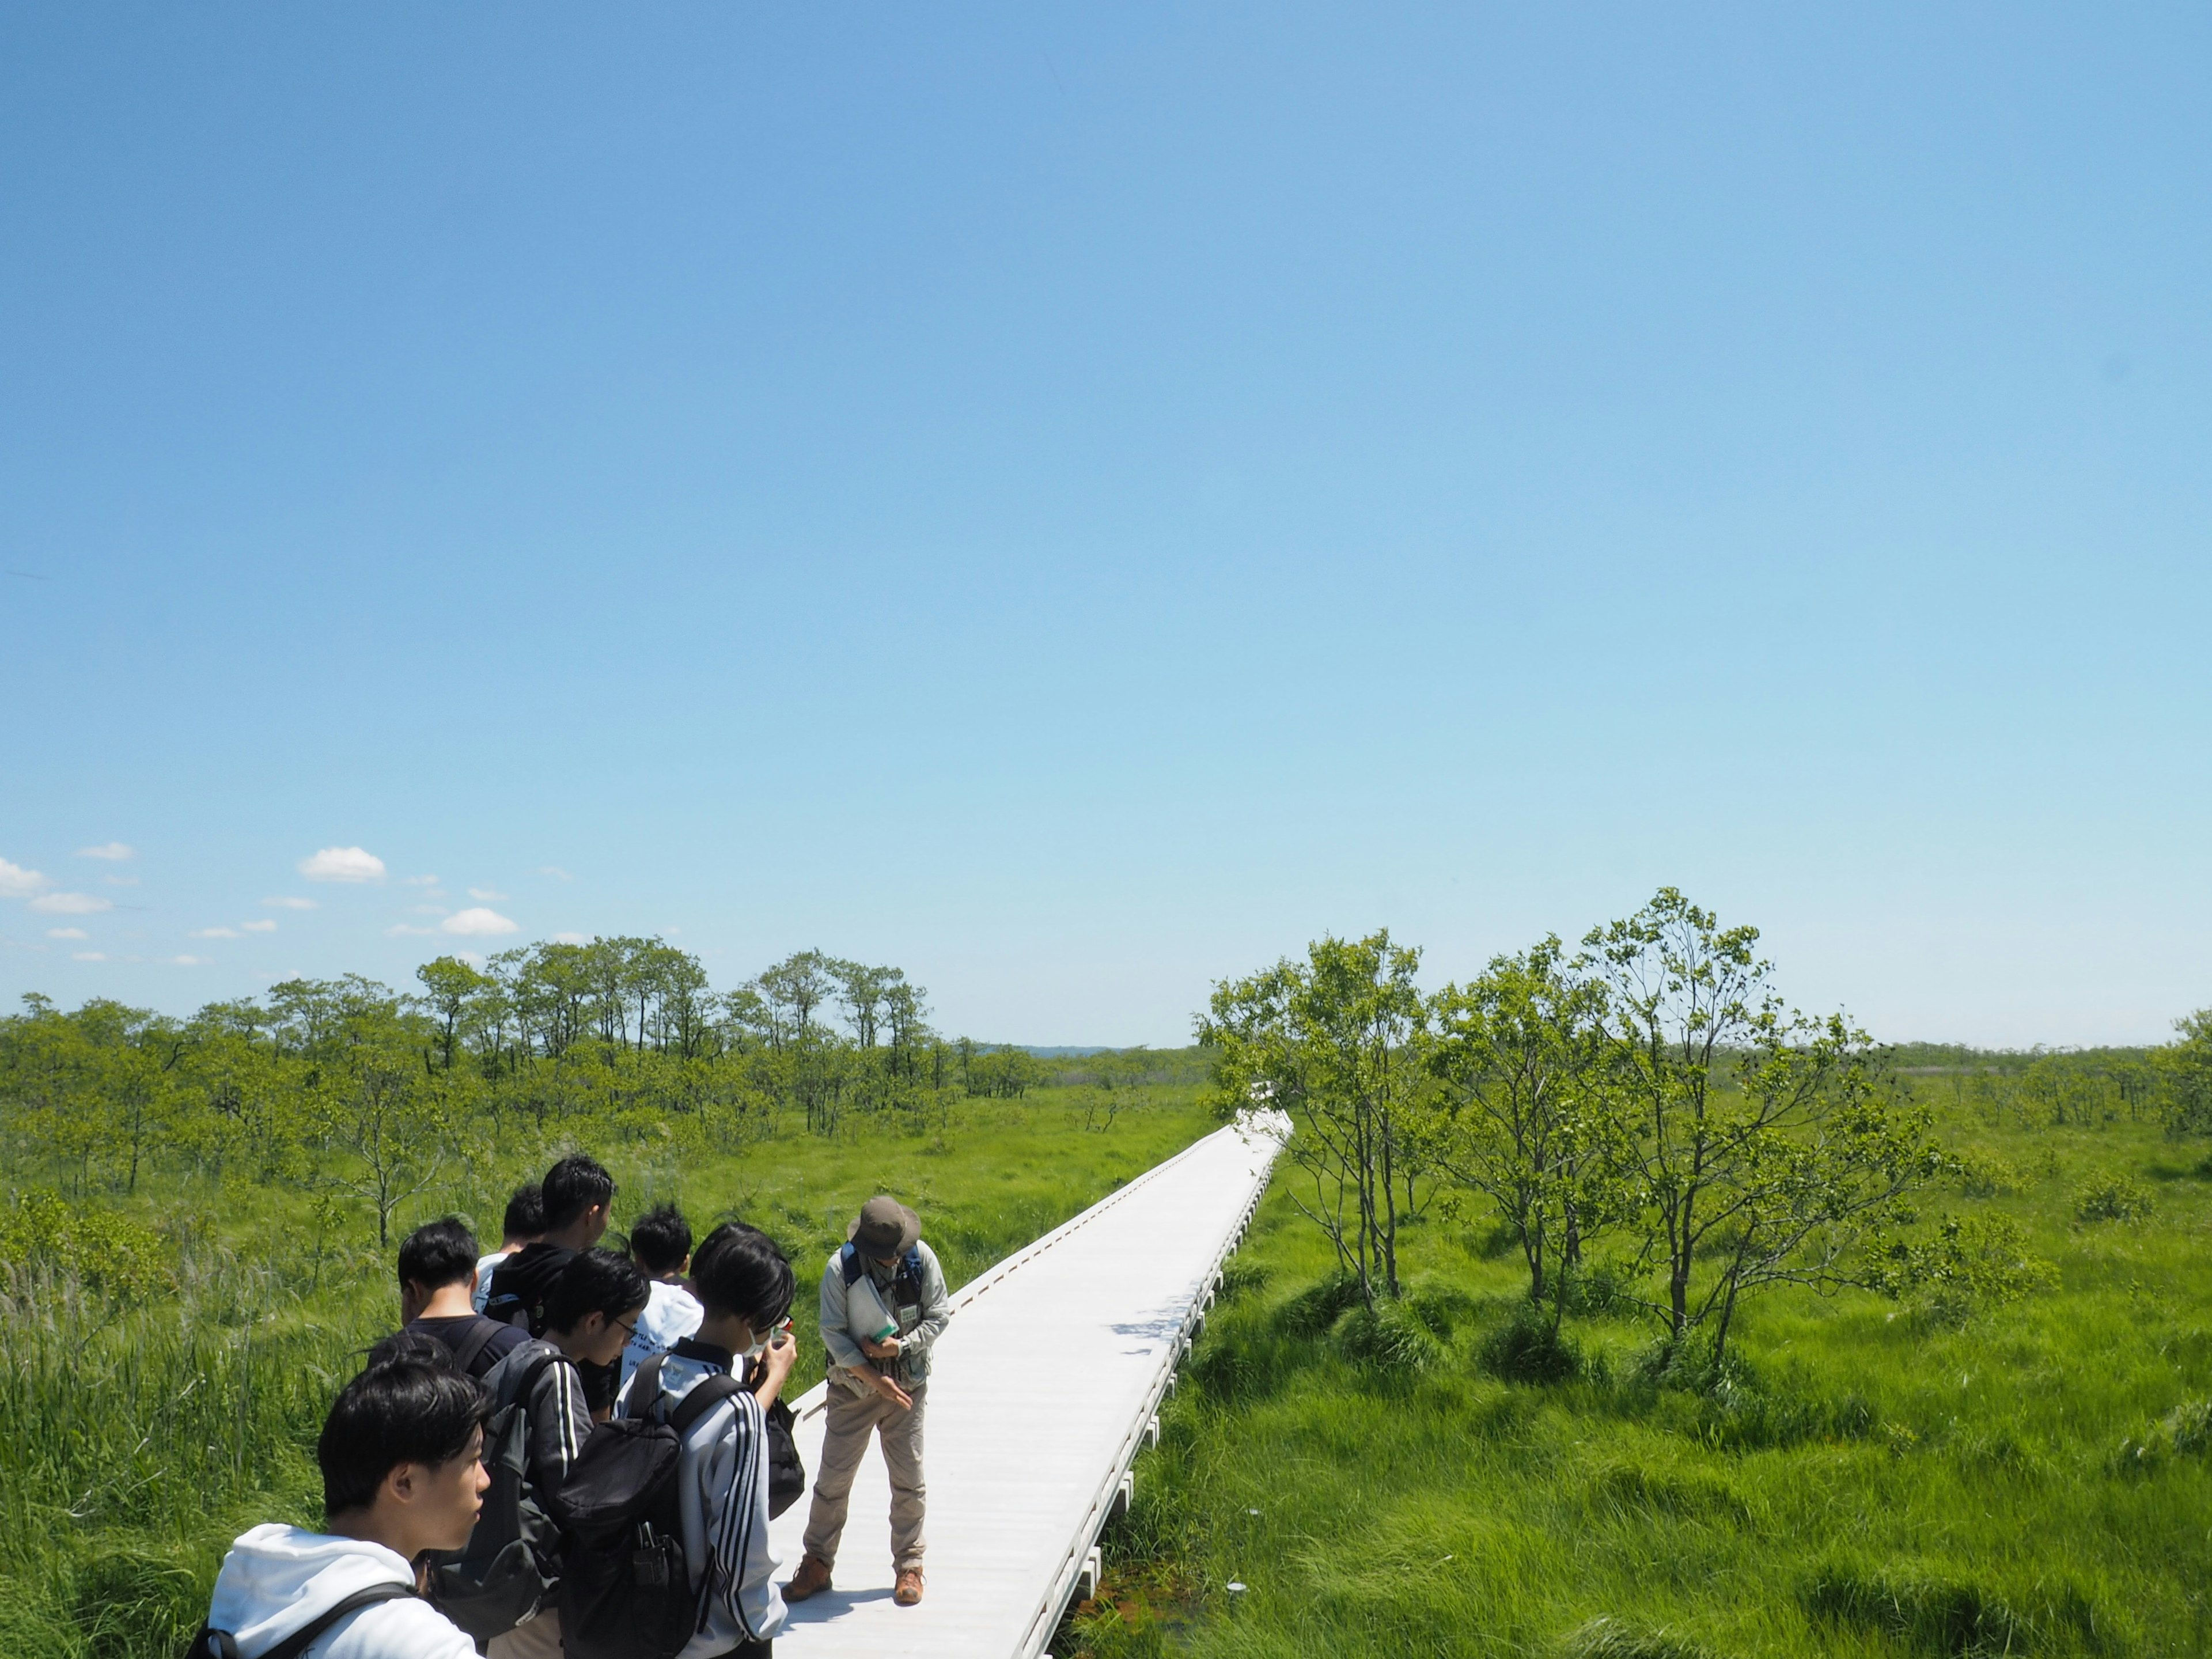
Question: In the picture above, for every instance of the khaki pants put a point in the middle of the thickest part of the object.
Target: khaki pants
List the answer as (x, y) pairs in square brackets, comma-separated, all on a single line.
[(533, 1638), (852, 1418)]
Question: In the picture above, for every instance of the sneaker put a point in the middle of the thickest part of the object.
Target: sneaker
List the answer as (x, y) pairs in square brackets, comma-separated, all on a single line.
[(811, 1579), (909, 1588)]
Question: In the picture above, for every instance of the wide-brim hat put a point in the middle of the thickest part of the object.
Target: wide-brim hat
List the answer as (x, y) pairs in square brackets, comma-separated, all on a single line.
[(884, 1227)]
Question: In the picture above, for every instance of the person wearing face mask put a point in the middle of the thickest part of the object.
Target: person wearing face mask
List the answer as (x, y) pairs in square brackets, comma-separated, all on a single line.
[(743, 1285)]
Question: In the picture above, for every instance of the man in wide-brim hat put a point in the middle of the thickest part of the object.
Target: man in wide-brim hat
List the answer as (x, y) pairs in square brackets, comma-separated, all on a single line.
[(883, 1305)]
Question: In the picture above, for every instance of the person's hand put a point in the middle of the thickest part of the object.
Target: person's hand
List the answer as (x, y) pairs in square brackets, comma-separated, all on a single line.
[(886, 1349), (779, 1357), (889, 1390)]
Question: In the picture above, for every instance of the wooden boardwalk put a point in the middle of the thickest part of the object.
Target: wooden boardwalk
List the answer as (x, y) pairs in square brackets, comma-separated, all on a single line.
[(1041, 1389)]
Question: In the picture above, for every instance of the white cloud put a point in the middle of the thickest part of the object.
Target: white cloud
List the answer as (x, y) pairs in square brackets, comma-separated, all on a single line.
[(571, 938), (70, 904), (189, 962), (113, 850), (87, 956), (404, 930), (343, 864), (486, 895), (16, 882), (214, 932), (67, 932), (289, 903), (418, 881), (555, 872), (478, 920), (120, 881), (263, 926)]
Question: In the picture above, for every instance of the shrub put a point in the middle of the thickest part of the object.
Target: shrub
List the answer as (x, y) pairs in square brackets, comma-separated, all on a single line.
[(2186, 1432), (1389, 1336), (1984, 1175), (1935, 1614), (108, 1254), (1608, 1638), (1315, 1308), (1529, 1348), (2110, 1198)]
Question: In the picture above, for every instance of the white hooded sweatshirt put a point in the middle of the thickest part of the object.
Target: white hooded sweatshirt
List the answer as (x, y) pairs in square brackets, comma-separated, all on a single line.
[(276, 1578)]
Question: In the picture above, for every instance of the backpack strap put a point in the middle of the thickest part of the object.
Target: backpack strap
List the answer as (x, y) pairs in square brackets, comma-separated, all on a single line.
[(849, 1263), (305, 1636), (711, 1392), (910, 1270), (645, 1386), (473, 1345), (524, 1382)]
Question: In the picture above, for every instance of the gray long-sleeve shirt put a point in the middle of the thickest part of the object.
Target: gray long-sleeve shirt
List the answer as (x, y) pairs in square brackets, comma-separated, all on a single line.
[(921, 1320)]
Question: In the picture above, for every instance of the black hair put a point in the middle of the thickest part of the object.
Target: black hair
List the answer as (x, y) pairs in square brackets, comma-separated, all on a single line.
[(594, 1281), (737, 1270), (409, 1343), (661, 1239), (571, 1186), (404, 1411), (526, 1212), (438, 1253)]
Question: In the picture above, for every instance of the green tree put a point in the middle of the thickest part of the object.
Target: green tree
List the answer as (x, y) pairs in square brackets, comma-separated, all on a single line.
[(451, 990), (1336, 1041), (1765, 1147), (1525, 1117)]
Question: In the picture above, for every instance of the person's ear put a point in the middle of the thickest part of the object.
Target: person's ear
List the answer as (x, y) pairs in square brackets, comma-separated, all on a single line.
[(473, 1280), (402, 1483)]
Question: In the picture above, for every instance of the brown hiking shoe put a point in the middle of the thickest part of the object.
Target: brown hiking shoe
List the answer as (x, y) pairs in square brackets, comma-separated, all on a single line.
[(811, 1579), (909, 1588)]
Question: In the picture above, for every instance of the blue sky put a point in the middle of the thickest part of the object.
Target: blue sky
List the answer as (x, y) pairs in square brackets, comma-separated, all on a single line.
[(1077, 502)]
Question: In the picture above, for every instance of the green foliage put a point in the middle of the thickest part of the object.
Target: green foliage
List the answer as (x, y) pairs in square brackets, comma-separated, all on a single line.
[(1531, 1347), (2111, 1198), (171, 1353), (1335, 1041), (1963, 1264), (115, 1258), (1848, 1479)]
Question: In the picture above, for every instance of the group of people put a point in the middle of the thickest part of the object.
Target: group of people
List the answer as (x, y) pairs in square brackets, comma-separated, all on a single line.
[(571, 1451)]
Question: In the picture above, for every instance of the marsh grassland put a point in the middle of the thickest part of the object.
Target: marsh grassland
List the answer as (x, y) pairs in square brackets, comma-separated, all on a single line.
[(1868, 1476)]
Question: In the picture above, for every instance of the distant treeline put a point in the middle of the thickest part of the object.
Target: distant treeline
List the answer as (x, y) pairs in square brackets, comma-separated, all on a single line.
[(372, 1092)]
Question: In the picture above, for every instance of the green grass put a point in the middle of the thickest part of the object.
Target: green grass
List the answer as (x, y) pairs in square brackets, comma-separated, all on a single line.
[(134, 1443), (1873, 1480)]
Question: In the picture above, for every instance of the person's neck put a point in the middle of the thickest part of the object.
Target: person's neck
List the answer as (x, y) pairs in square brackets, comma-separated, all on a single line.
[(576, 1235), (451, 1301), (374, 1525), (722, 1330)]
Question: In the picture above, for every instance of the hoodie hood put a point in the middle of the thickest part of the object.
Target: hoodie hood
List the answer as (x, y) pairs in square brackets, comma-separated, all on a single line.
[(276, 1578)]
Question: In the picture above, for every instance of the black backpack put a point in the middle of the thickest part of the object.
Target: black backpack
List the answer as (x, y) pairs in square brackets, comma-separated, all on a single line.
[(625, 1588), (505, 1572), (213, 1644)]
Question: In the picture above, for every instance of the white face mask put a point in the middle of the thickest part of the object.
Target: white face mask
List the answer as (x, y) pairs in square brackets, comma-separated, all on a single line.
[(753, 1352)]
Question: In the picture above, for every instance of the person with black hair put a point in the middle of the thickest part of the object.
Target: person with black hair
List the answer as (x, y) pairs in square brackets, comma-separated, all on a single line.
[(437, 1275), (660, 1244), (743, 1285), (589, 1315), (403, 1473), (576, 1194), (523, 1224)]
